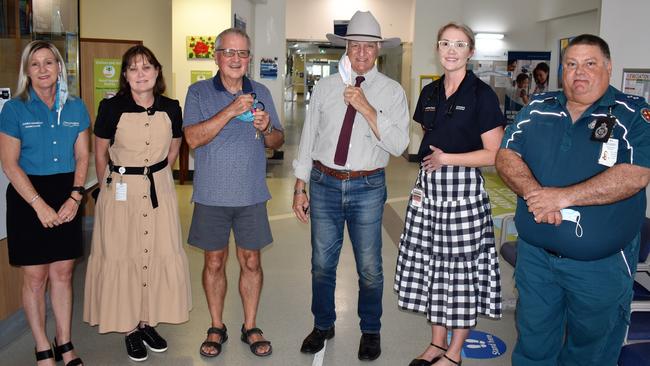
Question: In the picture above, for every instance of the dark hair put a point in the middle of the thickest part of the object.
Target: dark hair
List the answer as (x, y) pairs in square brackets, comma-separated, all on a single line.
[(542, 66), (590, 40), (129, 58), (521, 77)]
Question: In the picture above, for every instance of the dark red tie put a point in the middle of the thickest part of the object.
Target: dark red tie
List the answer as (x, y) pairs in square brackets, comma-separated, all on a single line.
[(342, 147)]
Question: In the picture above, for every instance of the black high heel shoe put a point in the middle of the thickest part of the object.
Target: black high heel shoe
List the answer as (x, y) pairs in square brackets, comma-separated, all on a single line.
[(43, 355), (60, 350)]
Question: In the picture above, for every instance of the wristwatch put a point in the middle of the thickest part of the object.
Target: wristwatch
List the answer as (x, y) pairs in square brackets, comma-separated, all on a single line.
[(268, 130), (79, 189)]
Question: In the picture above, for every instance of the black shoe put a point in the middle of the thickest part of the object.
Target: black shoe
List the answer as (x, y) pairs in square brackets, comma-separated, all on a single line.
[(64, 348), (369, 346), (315, 341), (152, 339), (135, 346)]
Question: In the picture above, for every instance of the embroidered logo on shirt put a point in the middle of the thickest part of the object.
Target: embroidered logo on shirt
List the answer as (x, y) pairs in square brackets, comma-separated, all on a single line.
[(430, 109), (32, 124), (460, 107), (70, 124), (645, 113)]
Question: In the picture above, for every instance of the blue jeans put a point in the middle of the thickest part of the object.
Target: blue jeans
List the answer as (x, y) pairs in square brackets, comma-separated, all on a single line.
[(572, 312), (358, 202)]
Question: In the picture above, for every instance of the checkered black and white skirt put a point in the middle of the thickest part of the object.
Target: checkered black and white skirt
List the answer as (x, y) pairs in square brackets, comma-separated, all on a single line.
[(447, 267)]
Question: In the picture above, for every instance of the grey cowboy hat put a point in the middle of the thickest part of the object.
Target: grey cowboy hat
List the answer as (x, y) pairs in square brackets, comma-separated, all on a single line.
[(363, 27)]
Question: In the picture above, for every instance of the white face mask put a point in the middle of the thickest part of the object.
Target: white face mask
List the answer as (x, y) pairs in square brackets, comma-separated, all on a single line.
[(345, 69), (573, 216), (61, 95)]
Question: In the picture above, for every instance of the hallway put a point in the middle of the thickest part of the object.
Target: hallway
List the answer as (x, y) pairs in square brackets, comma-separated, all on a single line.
[(284, 313)]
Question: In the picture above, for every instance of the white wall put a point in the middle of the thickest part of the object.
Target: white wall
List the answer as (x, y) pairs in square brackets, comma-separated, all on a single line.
[(312, 19), (269, 41), (143, 20), (194, 18), (623, 28), (564, 27), (553, 9)]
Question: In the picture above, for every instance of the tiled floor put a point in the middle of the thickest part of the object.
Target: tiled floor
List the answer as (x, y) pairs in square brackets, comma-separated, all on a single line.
[(284, 310)]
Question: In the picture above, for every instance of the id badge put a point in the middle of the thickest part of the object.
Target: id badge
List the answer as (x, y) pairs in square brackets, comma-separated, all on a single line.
[(608, 153), (416, 197), (120, 191)]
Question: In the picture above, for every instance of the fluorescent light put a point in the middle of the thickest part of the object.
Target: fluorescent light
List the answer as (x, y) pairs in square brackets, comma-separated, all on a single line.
[(489, 35)]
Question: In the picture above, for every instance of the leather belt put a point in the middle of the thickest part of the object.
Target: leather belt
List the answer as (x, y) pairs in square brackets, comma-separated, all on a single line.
[(141, 170), (344, 174)]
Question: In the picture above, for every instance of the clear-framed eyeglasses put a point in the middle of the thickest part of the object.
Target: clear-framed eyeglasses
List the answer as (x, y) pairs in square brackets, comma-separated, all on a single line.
[(445, 44), (230, 52)]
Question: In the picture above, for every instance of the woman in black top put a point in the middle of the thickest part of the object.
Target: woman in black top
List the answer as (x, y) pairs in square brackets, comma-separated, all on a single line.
[(447, 265)]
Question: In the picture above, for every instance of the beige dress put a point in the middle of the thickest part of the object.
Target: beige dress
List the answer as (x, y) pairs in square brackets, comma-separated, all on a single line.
[(137, 270)]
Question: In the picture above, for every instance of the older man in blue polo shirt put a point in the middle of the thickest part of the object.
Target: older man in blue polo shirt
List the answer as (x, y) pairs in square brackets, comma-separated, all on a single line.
[(229, 121), (579, 161)]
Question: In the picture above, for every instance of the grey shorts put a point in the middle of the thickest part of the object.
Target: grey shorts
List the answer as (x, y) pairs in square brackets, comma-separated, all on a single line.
[(211, 225)]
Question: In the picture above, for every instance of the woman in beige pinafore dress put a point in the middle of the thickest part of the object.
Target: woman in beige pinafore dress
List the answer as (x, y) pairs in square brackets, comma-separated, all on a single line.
[(137, 272)]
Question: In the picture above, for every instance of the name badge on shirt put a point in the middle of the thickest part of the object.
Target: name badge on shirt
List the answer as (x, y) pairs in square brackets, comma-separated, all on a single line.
[(603, 129), (416, 197), (608, 153), (120, 191)]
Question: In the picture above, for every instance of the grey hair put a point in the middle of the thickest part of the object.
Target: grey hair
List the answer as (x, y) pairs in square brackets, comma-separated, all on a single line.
[(24, 82), (229, 31)]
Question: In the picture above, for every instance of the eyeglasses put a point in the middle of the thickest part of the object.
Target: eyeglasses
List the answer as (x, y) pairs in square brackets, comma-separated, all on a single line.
[(461, 45), (230, 52)]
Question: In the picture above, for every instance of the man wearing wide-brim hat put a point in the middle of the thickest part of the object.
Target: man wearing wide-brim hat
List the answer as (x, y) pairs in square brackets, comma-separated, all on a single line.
[(357, 118)]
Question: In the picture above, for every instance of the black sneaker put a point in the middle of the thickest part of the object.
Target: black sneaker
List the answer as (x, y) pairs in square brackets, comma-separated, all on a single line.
[(152, 339), (135, 346)]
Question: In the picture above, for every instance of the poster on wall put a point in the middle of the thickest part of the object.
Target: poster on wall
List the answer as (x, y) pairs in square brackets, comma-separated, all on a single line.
[(198, 75), (564, 42), (239, 22), (529, 74), (269, 68), (106, 78), (637, 82), (200, 47), (5, 95)]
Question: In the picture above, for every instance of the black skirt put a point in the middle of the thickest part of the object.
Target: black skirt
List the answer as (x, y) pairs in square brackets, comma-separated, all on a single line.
[(28, 241)]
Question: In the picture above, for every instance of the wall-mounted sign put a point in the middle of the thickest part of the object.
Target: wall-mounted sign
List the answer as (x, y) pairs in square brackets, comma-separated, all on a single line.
[(106, 74)]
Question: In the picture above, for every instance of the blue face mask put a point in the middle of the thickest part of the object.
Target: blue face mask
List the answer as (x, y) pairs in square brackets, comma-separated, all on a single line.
[(61, 96), (248, 116)]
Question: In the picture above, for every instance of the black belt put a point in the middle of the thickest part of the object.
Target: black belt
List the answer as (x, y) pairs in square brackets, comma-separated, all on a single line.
[(554, 254), (141, 170)]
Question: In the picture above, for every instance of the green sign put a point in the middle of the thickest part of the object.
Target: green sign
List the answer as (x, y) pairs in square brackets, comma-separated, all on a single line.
[(198, 75), (106, 77)]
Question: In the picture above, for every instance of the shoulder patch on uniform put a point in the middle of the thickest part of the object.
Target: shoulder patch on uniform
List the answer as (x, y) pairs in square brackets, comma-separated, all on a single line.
[(645, 114)]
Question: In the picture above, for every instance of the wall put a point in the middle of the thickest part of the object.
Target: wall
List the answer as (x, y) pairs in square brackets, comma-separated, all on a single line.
[(564, 27), (627, 41), (200, 18), (145, 20), (312, 19), (553, 9), (269, 41)]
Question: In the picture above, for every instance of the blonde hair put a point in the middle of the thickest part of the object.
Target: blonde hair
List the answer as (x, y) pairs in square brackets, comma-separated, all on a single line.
[(461, 27), (24, 82)]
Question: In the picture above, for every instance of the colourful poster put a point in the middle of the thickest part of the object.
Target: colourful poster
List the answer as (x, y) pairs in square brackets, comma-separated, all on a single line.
[(106, 76), (200, 47), (529, 74), (198, 75), (269, 68)]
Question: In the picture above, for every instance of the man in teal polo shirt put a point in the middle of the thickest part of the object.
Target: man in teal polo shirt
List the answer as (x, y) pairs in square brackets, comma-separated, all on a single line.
[(579, 160)]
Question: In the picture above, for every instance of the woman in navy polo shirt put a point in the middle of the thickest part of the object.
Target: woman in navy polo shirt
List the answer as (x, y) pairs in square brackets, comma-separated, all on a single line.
[(447, 266), (44, 153)]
